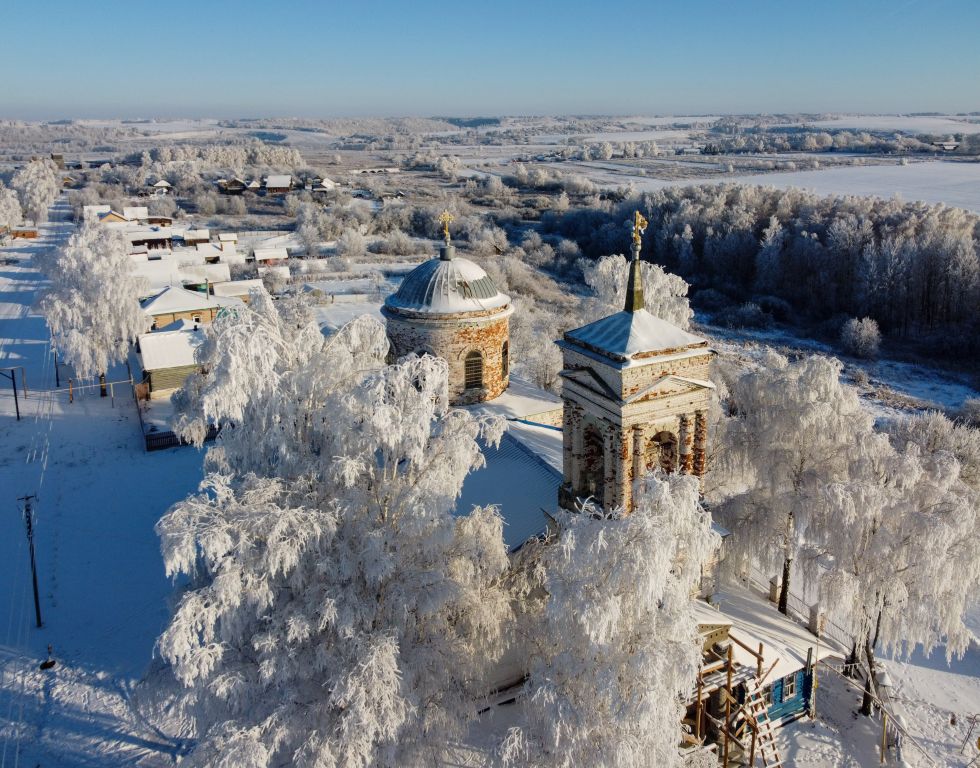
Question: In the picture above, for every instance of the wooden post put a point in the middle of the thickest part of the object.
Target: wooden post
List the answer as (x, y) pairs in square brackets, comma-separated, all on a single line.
[(697, 709), (728, 706), (884, 734), (752, 749), (758, 664), (71, 395)]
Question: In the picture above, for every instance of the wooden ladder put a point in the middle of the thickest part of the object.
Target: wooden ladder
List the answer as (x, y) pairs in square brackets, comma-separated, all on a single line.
[(759, 713)]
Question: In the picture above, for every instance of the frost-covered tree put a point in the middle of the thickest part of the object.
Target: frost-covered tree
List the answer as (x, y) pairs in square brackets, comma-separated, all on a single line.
[(861, 337), (351, 244), (665, 294), (37, 186), (92, 304), (899, 559), (10, 214), (614, 648), (794, 429), (339, 614)]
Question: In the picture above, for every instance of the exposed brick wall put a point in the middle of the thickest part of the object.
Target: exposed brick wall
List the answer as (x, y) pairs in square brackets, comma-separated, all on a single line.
[(453, 337)]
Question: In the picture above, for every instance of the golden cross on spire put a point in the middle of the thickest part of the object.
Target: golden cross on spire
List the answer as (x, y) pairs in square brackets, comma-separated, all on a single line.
[(446, 218), (639, 227)]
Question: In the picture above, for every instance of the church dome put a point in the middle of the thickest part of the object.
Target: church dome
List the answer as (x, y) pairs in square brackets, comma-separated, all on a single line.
[(447, 285)]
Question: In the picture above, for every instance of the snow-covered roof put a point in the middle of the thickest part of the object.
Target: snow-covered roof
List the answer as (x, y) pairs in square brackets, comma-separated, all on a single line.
[(162, 184), (754, 620), (173, 298), (94, 211), (196, 234), (627, 335), (278, 181), (136, 212), (521, 400), (238, 287), (228, 237), (212, 273), (170, 348), (325, 184), (267, 254), (447, 286), (254, 184), (519, 482)]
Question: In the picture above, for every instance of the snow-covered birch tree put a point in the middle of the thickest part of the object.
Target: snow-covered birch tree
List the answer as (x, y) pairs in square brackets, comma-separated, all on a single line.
[(665, 294), (794, 429), (339, 614), (37, 185), (10, 214), (614, 648), (92, 305)]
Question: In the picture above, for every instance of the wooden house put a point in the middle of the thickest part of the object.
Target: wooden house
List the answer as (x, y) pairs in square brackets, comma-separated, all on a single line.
[(112, 217), (278, 184), (166, 357), (139, 214), (233, 186), (59, 160), (174, 303), (270, 256), (196, 236), (238, 289)]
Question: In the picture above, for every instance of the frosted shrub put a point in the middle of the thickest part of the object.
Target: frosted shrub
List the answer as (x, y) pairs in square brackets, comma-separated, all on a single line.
[(861, 338)]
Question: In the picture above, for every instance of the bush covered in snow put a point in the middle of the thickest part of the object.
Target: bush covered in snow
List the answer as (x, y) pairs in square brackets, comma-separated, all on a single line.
[(861, 337)]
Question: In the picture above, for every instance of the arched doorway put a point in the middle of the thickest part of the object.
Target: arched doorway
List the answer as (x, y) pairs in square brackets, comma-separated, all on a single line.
[(662, 452)]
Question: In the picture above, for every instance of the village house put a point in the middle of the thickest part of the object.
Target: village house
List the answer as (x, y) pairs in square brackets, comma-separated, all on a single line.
[(195, 236), (270, 257), (233, 186), (278, 184), (166, 358), (237, 289), (175, 303), (136, 214)]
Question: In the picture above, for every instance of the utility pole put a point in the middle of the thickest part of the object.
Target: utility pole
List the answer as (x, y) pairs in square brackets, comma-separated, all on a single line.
[(13, 383), (29, 522)]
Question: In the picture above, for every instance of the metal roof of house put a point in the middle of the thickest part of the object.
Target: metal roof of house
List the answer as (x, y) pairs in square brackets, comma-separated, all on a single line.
[(173, 298), (279, 181)]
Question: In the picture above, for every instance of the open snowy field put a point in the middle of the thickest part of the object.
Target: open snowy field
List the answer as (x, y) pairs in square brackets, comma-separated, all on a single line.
[(919, 124), (955, 184)]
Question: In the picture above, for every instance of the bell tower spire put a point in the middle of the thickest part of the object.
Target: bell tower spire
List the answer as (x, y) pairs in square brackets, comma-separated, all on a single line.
[(634, 284)]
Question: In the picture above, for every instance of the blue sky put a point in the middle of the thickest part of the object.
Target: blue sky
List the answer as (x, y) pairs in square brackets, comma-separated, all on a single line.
[(424, 57)]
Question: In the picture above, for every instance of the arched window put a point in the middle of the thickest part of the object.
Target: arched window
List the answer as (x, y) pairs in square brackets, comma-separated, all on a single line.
[(473, 370), (505, 358), (593, 464)]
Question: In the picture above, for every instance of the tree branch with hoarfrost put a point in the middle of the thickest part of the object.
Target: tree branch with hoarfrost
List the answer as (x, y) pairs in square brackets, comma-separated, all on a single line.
[(10, 214), (665, 294), (92, 304), (339, 613), (615, 648)]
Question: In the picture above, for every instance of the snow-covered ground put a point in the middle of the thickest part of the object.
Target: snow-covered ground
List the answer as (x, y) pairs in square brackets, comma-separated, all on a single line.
[(100, 574)]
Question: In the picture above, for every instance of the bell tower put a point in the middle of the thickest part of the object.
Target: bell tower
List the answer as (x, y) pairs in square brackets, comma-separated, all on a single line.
[(635, 391)]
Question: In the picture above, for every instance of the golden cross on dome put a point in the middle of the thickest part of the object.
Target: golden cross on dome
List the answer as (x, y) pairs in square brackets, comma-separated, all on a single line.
[(446, 218), (639, 227)]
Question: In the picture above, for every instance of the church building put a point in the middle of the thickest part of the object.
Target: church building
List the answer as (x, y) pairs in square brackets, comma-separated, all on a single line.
[(635, 391), (449, 307)]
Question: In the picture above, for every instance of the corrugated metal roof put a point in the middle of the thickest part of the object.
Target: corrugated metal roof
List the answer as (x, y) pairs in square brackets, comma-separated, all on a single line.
[(520, 483), (625, 334)]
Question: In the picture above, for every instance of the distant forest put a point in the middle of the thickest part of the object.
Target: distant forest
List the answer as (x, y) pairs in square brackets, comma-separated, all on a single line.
[(793, 255)]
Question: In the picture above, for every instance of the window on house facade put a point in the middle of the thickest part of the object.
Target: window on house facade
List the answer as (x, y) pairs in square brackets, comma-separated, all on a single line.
[(505, 358), (789, 687), (196, 318), (473, 370), (767, 696)]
